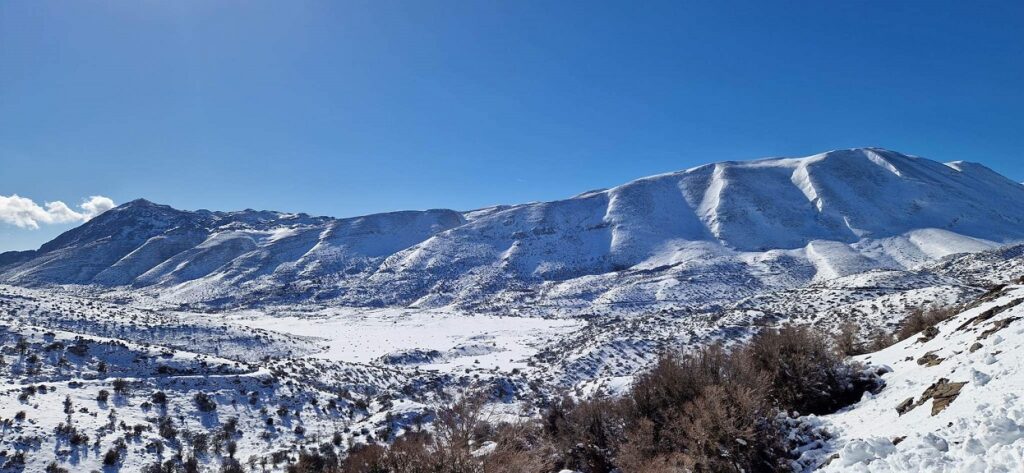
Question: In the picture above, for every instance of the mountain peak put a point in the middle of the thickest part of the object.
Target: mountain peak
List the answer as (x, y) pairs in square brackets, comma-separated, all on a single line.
[(139, 203)]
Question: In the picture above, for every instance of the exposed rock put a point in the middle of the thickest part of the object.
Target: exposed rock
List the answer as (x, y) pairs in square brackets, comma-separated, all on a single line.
[(928, 334), (942, 393), (988, 314), (997, 326), (905, 406), (929, 359)]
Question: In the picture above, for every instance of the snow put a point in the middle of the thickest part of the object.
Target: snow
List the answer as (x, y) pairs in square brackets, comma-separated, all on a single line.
[(360, 335), (982, 429)]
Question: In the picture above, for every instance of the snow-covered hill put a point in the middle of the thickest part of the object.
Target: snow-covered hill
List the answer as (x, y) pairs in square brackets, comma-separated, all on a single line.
[(700, 237)]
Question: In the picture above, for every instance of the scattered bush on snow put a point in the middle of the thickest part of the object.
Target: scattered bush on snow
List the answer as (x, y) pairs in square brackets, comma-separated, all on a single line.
[(710, 410)]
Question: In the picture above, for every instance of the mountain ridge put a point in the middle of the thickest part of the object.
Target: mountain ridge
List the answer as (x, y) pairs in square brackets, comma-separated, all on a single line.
[(680, 236)]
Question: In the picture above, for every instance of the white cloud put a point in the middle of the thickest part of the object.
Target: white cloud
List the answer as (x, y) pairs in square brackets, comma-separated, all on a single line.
[(23, 212), (96, 205)]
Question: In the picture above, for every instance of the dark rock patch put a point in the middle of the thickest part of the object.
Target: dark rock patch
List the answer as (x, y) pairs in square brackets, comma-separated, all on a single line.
[(989, 313), (942, 393), (929, 359), (997, 326), (905, 406)]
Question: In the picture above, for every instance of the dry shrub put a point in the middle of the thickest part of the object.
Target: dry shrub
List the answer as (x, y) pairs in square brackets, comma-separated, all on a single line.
[(314, 462), (707, 411), (715, 410), (877, 339), (587, 433), (521, 447), (456, 425), (920, 319), (414, 452), (365, 459), (806, 373), (448, 451), (848, 339), (852, 339), (730, 428)]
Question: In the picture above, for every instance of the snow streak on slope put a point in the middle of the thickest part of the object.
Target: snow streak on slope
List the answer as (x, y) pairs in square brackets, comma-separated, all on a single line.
[(699, 237)]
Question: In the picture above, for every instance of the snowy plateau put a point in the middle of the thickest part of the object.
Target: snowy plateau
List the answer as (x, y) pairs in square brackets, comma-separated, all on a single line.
[(281, 331)]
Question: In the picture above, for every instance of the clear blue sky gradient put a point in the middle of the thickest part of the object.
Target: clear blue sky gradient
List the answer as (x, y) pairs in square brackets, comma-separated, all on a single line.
[(344, 108)]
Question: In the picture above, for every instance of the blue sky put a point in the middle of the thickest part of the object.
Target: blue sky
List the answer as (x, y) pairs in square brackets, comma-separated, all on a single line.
[(344, 108)]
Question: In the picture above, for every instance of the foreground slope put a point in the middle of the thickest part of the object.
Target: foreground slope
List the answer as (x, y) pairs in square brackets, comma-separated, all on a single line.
[(952, 401), (697, 238)]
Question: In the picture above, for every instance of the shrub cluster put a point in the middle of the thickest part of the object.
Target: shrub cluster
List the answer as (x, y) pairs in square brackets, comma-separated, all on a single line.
[(852, 340), (921, 319), (711, 410), (204, 402)]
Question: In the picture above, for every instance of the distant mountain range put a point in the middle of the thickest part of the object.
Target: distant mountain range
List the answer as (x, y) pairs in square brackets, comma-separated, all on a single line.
[(699, 237)]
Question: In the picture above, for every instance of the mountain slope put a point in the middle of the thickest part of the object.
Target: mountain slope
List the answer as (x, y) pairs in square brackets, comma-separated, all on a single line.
[(703, 236)]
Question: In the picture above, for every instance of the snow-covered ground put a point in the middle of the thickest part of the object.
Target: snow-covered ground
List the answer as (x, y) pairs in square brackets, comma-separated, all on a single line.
[(974, 365), (445, 339)]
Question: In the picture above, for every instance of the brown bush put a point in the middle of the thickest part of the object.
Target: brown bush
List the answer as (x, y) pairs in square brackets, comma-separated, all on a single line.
[(730, 428), (848, 340), (365, 459), (587, 433), (805, 372), (852, 339), (920, 319), (707, 411), (449, 451), (521, 447), (314, 462)]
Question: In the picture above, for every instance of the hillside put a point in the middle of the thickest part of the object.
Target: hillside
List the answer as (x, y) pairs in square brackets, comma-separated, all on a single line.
[(952, 398)]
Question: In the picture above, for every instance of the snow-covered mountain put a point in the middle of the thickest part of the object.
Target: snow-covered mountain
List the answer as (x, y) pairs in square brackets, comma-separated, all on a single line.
[(704, 236)]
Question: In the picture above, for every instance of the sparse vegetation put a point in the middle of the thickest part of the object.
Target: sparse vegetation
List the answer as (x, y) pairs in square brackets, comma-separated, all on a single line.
[(204, 402), (159, 398), (922, 319), (706, 410), (120, 386), (853, 340), (710, 410)]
